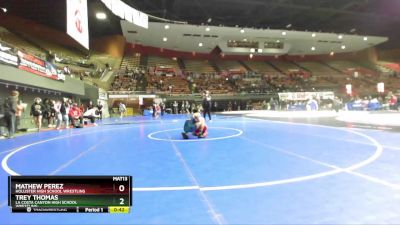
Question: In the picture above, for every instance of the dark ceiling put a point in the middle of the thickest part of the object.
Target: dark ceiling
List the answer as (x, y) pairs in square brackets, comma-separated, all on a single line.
[(364, 17)]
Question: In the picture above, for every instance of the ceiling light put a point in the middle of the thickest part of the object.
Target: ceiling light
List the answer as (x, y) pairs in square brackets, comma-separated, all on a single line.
[(101, 16), (165, 39), (365, 38), (313, 35), (259, 50), (312, 48), (200, 44), (4, 10), (166, 27), (277, 41), (209, 20), (207, 29), (242, 30), (340, 36), (343, 47), (289, 25), (252, 50), (283, 33), (245, 39)]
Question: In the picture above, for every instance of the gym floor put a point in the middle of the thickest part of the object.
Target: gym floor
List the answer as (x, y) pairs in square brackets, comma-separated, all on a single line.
[(251, 169)]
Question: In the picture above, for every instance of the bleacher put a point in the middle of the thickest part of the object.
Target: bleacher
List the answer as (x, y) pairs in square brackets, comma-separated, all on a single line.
[(390, 66), (130, 61), (172, 84), (103, 59), (342, 64), (198, 66), (319, 69), (16, 41), (261, 67), (230, 66), (156, 61), (284, 66), (217, 85), (349, 67)]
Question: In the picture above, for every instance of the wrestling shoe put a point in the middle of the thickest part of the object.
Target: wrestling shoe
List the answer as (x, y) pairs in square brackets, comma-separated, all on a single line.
[(185, 136)]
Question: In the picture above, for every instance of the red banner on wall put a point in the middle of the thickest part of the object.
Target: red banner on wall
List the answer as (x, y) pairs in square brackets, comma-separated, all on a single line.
[(37, 66)]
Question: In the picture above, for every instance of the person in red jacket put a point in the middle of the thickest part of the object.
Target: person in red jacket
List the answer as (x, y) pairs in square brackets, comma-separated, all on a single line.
[(393, 102), (75, 116)]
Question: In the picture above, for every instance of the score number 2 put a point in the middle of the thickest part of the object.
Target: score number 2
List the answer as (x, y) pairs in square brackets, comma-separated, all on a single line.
[(121, 188)]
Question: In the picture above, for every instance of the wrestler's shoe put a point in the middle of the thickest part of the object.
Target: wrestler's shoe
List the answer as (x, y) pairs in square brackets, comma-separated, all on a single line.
[(201, 136), (185, 136)]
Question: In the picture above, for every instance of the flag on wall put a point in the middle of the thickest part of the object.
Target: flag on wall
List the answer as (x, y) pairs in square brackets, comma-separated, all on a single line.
[(77, 21)]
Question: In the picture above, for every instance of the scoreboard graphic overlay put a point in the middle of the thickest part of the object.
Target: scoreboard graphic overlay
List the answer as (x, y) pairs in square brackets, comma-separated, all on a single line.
[(70, 194)]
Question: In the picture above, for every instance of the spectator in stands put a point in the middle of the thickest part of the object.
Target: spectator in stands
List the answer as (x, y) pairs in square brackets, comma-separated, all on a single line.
[(235, 105), (393, 102), (193, 107), (2, 120), (37, 109), (229, 106), (58, 115), (48, 113), (67, 71), (216, 106), (337, 104), (207, 104), (82, 107), (162, 107), (175, 107), (90, 106), (75, 115), (273, 103), (100, 110), (183, 108), (20, 109), (154, 109), (122, 109), (187, 107), (365, 102), (248, 105), (312, 105), (10, 109), (64, 110)]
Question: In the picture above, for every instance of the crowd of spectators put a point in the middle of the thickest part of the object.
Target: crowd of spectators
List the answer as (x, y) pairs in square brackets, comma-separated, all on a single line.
[(130, 80), (52, 113), (186, 83)]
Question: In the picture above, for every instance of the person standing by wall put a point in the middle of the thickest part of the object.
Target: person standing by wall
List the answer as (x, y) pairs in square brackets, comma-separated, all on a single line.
[(37, 109), (175, 107), (58, 115), (162, 107), (64, 110), (122, 109), (10, 109), (20, 109), (2, 120)]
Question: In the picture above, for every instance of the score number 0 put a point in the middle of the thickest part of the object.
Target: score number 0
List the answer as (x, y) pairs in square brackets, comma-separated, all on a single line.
[(121, 188)]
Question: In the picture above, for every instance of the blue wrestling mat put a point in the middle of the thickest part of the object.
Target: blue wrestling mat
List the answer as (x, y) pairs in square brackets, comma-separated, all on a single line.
[(247, 171)]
